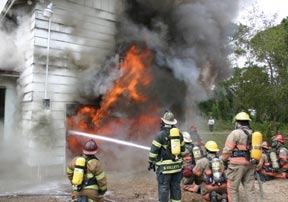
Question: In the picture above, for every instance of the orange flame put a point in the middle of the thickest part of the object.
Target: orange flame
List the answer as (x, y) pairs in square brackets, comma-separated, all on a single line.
[(134, 76), (128, 89)]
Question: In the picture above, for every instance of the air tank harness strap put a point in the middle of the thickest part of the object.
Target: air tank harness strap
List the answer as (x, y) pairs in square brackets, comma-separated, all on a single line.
[(239, 153), (248, 144), (90, 181)]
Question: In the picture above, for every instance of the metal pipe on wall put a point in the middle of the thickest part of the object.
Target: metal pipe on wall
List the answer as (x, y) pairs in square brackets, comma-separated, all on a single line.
[(48, 13)]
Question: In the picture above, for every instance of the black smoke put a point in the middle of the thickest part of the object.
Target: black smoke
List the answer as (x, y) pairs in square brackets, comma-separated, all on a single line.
[(190, 43), (189, 40)]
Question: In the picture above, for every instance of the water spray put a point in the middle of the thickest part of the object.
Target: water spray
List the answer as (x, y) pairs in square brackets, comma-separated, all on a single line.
[(108, 139)]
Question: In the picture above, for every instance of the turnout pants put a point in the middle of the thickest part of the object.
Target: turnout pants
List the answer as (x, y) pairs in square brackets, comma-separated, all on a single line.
[(169, 186), (241, 174), (92, 195)]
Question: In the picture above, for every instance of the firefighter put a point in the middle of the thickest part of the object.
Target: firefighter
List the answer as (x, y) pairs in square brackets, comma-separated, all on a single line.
[(211, 170), (188, 160), (282, 152), (264, 167), (169, 164), (265, 161), (240, 169), (188, 165), (197, 138), (87, 175), (195, 135)]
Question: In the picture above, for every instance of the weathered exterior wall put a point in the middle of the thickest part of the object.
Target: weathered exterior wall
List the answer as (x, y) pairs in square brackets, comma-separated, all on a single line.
[(78, 28)]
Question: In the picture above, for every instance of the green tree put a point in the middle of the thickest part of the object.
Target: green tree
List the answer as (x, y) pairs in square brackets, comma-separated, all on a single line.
[(270, 47), (250, 90), (262, 84)]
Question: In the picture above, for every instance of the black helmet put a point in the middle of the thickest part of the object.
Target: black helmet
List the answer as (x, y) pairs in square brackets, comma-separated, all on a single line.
[(90, 147)]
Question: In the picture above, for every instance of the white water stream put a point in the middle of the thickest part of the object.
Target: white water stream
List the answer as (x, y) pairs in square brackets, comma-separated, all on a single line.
[(100, 137)]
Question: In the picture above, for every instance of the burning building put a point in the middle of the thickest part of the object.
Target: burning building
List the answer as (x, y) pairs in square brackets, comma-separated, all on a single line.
[(106, 67), (45, 47)]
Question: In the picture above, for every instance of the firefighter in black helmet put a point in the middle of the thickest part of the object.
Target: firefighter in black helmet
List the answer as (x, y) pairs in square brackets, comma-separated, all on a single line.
[(166, 153), (87, 175)]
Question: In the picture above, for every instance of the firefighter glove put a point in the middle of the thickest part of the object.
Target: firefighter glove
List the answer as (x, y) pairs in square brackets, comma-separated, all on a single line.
[(101, 192), (268, 169), (152, 166)]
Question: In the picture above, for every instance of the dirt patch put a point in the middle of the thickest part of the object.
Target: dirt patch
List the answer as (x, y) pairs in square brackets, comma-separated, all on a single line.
[(140, 186)]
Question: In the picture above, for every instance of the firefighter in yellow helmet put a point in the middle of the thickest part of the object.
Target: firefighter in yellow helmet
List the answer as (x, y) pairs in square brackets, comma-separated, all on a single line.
[(240, 169), (211, 170), (87, 175), (168, 159)]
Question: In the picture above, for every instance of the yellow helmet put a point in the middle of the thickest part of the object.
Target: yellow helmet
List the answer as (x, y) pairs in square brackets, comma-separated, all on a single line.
[(212, 146), (242, 116), (168, 118), (187, 137)]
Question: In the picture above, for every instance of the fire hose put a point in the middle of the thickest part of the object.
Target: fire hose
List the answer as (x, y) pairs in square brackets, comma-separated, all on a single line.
[(43, 194), (33, 194)]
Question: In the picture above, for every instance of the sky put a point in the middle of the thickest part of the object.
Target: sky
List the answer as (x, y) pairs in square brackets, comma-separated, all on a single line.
[(268, 7), (275, 6), (251, 13)]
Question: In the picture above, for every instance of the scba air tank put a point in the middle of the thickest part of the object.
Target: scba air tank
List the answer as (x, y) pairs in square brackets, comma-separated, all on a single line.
[(256, 149), (78, 174), (216, 169), (274, 160), (175, 142), (197, 152)]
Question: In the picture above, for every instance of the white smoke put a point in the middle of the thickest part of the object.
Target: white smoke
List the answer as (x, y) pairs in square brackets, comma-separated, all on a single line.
[(15, 37), (10, 57)]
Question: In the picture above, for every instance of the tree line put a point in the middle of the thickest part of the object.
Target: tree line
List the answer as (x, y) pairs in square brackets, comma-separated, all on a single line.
[(260, 86)]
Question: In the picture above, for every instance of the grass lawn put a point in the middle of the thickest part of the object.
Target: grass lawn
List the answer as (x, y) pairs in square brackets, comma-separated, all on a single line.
[(218, 136)]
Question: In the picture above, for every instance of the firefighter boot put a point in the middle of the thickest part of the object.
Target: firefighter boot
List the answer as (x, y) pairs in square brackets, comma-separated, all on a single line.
[(82, 199)]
